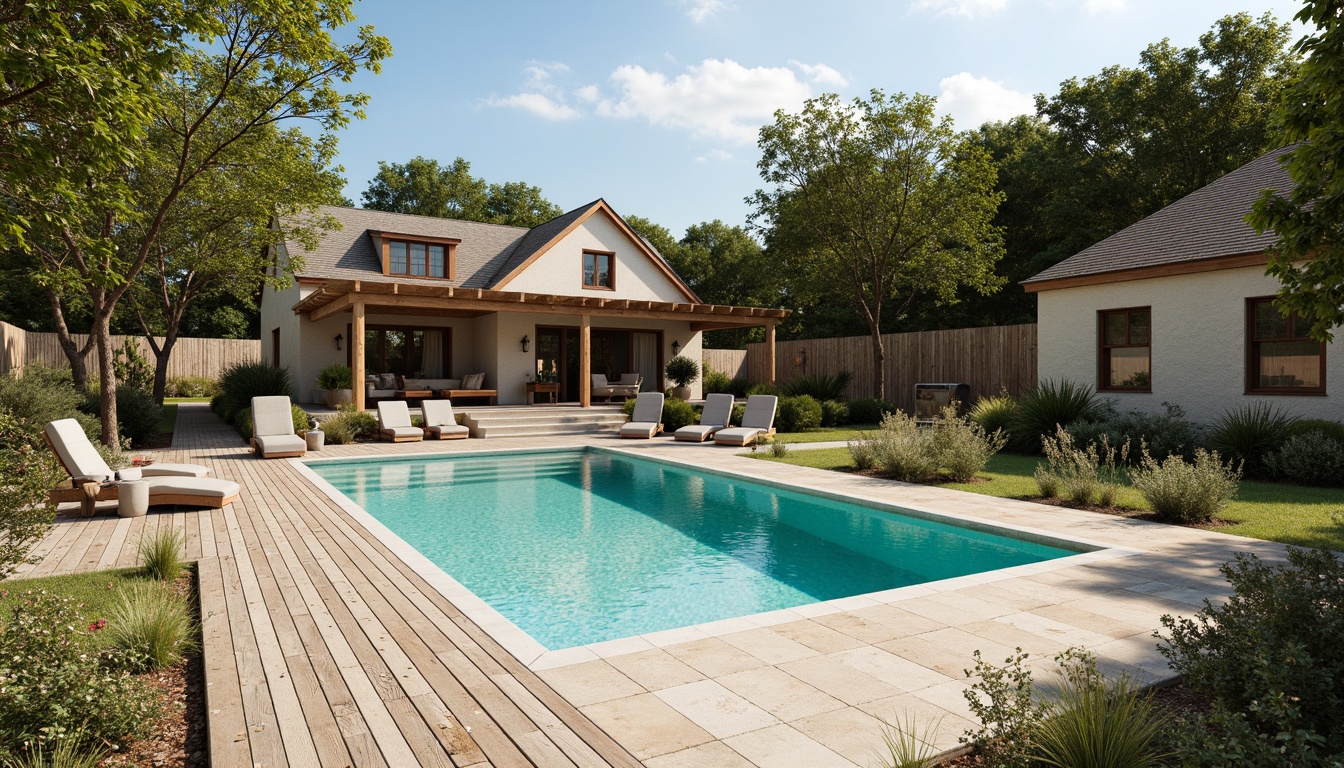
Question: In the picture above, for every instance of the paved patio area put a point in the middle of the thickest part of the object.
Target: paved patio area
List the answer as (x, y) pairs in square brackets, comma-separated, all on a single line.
[(327, 644)]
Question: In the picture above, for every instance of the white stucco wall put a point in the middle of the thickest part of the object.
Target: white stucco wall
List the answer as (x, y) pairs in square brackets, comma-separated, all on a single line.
[(1198, 342), (560, 270), (276, 312)]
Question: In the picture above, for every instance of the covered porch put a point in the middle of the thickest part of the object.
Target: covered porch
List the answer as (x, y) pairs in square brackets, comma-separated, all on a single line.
[(515, 337)]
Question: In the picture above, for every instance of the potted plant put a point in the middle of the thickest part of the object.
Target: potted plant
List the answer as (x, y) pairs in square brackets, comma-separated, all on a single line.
[(335, 379), (682, 371)]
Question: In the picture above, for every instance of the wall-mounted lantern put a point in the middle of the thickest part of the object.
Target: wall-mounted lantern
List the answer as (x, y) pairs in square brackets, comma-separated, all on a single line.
[(676, 345), (526, 342), (339, 339)]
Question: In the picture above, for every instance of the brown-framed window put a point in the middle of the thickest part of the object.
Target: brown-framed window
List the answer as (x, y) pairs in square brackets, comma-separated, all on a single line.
[(421, 257), (1281, 356), (422, 352), (1124, 354), (599, 270)]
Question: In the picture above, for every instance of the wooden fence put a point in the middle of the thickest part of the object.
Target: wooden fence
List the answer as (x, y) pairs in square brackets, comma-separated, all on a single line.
[(191, 357), (987, 359), (730, 361)]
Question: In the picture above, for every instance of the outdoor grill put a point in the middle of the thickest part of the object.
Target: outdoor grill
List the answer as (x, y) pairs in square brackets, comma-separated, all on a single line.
[(931, 398)]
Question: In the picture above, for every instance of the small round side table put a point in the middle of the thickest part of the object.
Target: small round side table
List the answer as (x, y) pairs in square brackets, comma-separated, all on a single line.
[(132, 498)]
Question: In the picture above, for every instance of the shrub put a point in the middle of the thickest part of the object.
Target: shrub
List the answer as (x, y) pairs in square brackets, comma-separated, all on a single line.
[(244, 381), (834, 413), (161, 555), (819, 386), (56, 680), (778, 450), (242, 421), (677, 414), (628, 407), (739, 410), (1186, 492), (1001, 700), (1098, 723), (962, 446), (335, 377), (994, 414), (1250, 433), (137, 414), (1332, 429), (1085, 475), (132, 369), (798, 414), (900, 449), (348, 425), (1046, 408), (904, 746), (716, 382), (220, 405), (191, 386), (152, 625), (1165, 434), (43, 395), (761, 389), (1272, 651), (67, 752), (870, 411), (28, 470), (682, 371), (1311, 458)]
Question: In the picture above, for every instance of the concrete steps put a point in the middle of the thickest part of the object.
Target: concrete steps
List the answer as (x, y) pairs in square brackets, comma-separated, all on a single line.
[(539, 421)]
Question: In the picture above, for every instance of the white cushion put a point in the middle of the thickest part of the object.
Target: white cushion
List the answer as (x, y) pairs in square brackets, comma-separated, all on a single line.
[(393, 414), (760, 412), (268, 444), (737, 435), (438, 413), (75, 451), (272, 415), (648, 407), (403, 431), (718, 410), (639, 428), (473, 381), (448, 429), (204, 487), (696, 433), (171, 470)]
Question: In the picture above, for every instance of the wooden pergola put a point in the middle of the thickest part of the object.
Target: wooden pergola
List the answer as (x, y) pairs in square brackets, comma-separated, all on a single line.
[(362, 297)]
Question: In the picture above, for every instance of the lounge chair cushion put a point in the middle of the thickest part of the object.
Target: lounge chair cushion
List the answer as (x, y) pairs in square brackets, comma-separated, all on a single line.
[(648, 408), (448, 429), (402, 432), (172, 470), (695, 433), (83, 461), (639, 429), (438, 413), (203, 487), (270, 444), (716, 415), (272, 415), (394, 414), (738, 435), (760, 412)]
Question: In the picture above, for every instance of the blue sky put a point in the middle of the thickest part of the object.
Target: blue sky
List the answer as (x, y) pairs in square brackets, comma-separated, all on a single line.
[(654, 105)]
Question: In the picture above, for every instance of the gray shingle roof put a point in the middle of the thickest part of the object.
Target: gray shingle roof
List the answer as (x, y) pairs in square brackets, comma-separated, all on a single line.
[(535, 239), (348, 253), (1205, 224)]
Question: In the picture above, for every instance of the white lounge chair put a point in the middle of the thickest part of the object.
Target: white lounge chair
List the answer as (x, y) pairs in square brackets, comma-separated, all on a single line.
[(647, 420), (184, 484), (758, 422), (273, 428), (717, 414), (440, 423), (394, 422)]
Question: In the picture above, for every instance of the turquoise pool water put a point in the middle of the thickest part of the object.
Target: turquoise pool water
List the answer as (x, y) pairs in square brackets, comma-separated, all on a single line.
[(582, 546)]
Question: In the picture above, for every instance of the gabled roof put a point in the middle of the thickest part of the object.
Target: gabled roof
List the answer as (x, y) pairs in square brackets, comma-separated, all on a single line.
[(488, 255), (1209, 223)]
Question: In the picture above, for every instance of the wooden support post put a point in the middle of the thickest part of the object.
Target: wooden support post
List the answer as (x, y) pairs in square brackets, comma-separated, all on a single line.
[(770, 354), (357, 353), (585, 362)]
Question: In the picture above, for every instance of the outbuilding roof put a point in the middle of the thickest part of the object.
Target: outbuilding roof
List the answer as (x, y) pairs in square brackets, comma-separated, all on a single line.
[(1208, 223)]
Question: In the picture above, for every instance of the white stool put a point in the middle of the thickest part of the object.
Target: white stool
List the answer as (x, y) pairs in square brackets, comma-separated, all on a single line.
[(132, 498)]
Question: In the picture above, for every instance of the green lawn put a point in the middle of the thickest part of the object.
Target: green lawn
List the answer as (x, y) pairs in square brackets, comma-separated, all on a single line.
[(1290, 514), (168, 418), (824, 435), (98, 591)]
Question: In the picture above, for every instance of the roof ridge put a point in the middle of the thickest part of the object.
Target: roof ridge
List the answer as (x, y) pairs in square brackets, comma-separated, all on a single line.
[(378, 212)]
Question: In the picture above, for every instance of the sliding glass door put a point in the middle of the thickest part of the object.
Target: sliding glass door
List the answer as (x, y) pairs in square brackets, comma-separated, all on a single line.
[(422, 353), (615, 352)]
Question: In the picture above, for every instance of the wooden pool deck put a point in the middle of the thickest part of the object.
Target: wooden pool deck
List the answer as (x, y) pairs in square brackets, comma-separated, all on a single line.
[(324, 647), (321, 648)]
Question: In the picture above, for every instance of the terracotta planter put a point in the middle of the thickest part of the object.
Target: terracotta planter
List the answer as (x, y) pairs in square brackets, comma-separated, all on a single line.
[(337, 397), (681, 393)]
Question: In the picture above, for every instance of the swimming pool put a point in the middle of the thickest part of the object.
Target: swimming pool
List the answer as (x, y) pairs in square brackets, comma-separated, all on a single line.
[(581, 546)]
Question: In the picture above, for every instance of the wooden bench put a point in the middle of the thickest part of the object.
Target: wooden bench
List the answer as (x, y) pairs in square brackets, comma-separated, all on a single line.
[(454, 394)]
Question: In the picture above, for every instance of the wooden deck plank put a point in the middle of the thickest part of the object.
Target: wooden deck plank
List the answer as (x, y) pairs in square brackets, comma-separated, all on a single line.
[(228, 736), (114, 543)]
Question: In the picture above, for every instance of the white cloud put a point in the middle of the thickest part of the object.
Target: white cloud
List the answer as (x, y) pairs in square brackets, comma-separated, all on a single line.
[(588, 94), (972, 100), (538, 104), (968, 8), (715, 154), (717, 99), (701, 11), (822, 74)]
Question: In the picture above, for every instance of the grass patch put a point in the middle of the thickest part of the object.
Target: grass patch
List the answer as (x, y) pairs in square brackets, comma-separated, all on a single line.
[(1290, 514), (99, 591), (167, 418), (824, 435)]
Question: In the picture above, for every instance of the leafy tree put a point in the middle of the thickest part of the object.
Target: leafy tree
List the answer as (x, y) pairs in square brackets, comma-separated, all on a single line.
[(1308, 257), (659, 237), (258, 63), (1130, 141), (725, 265), (422, 187), (877, 199)]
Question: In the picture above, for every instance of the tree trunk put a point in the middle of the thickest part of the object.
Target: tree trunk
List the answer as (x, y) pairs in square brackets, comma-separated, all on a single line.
[(879, 358), (107, 378), (79, 369), (161, 357)]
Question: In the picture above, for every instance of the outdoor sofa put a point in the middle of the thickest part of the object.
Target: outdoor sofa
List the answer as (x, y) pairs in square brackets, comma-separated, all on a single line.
[(627, 387)]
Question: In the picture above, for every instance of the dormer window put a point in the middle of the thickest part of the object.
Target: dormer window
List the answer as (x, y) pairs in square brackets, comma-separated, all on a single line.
[(599, 270), (414, 256)]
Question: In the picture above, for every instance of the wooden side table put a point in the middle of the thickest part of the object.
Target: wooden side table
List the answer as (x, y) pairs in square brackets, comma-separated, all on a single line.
[(534, 388)]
